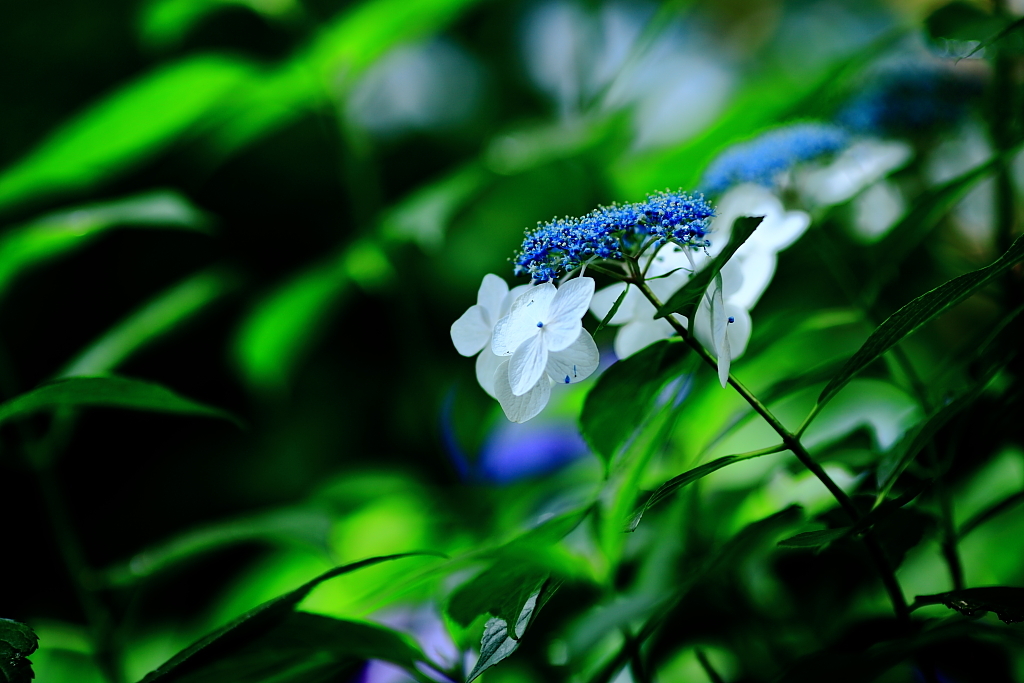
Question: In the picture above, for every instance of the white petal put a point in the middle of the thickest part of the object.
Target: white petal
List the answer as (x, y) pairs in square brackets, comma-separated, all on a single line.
[(559, 334), (471, 331), (527, 364), (784, 229), (486, 363), (719, 321), (520, 408), (732, 341), (638, 334), (739, 329), (491, 296), (604, 300), (861, 164), (520, 324), (575, 363), (572, 300), (758, 269)]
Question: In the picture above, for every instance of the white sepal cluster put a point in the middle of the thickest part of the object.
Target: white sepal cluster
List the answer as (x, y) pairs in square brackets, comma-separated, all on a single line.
[(722, 323), (532, 339)]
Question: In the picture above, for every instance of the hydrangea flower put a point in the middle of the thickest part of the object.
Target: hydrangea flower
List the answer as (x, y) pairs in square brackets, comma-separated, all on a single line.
[(860, 165), (563, 245), (765, 158)]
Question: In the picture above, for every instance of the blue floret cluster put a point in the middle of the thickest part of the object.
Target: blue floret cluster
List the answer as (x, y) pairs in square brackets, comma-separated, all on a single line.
[(911, 99), (562, 245), (763, 158)]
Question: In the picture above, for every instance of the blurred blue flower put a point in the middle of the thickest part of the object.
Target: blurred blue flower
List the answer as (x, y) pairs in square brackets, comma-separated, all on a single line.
[(563, 245), (762, 159), (910, 99), (517, 451)]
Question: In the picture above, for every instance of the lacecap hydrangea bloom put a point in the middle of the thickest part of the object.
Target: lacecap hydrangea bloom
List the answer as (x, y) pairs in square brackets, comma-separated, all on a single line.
[(767, 157)]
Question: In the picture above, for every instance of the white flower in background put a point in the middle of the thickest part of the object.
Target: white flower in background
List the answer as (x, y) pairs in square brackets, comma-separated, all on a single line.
[(722, 321), (862, 164), (471, 333), (544, 342)]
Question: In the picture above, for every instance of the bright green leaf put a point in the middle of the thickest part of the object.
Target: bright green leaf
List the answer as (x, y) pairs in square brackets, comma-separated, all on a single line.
[(249, 626), (123, 129), (62, 232), (17, 642), (687, 299), (113, 392), (165, 22), (622, 397), (919, 311), (161, 315)]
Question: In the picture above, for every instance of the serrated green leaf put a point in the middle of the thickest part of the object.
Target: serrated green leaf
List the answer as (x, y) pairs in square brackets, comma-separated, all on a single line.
[(621, 399), (112, 391), (687, 478), (17, 642), (613, 310), (497, 644), (500, 590), (124, 128), (1006, 602), (919, 311), (687, 299), (159, 316), (250, 626), (62, 232), (814, 539)]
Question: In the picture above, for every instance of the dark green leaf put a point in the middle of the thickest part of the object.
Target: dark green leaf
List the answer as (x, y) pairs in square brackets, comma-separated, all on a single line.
[(962, 21), (917, 313), (814, 539), (129, 125), (62, 232), (685, 479), (623, 395), (990, 512), (614, 309), (304, 647), (17, 642), (250, 626), (159, 316), (1007, 603), (501, 591), (114, 392), (497, 643), (687, 299), (900, 531)]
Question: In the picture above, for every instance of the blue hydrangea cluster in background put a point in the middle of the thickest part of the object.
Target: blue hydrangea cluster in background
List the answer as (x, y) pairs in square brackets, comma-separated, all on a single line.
[(563, 245), (911, 99), (761, 159)]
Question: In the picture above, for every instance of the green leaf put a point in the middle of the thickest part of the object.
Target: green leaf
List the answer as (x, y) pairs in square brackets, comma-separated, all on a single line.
[(687, 299), (614, 309), (62, 232), (158, 317), (497, 642), (113, 392), (305, 647), (814, 539), (123, 129), (919, 311), (991, 512), (250, 626), (501, 591), (165, 22), (310, 529), (17, 642), (1007, 603), (621, 399), (687, 478), (962, 21)]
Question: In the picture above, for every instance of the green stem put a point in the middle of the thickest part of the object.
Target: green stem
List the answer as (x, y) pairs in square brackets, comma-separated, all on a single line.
[(792, 442)]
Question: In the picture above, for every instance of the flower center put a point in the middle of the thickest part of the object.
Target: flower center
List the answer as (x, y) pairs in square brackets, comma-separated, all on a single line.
[(540, 324)]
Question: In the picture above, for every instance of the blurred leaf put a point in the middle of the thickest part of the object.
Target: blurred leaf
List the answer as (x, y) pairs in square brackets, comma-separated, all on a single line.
[(124, 128), (1007, 603), (994, 510), (607, 421), (496, 643), (424, 216), (962, 21), (917, 313), (310, 528), (690, 476), (161, 315), (113, 391), (500, 591), (64, 231), (687, 299), (814, 539), (250, 626), (17, 642), (902, 530), (305, 647), (165, 22)]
